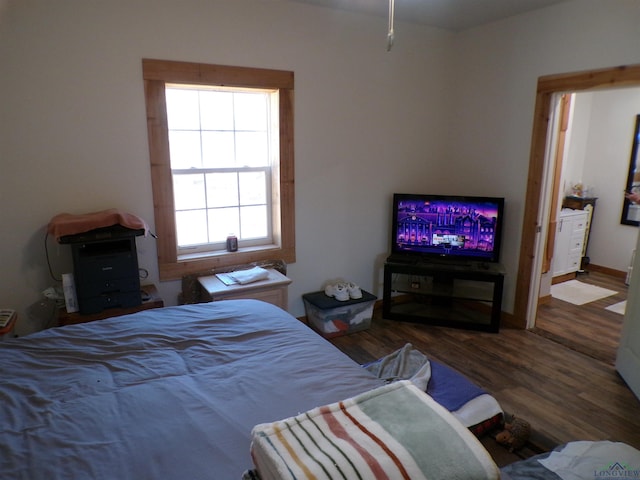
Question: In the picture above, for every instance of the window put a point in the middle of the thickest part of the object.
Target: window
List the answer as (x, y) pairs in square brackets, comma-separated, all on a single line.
[(220, 144), (221, 153)]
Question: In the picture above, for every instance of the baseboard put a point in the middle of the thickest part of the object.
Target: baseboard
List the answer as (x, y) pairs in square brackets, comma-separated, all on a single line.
[(508, 320), (563, 278), (590, 268), (606, 270), (544, 299)]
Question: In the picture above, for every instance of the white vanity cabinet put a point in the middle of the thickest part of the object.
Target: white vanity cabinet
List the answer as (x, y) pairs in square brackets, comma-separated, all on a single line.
[(570, 236)]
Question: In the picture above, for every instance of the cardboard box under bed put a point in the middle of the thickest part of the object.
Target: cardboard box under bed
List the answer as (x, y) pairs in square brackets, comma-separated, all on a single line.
[(332, 318)]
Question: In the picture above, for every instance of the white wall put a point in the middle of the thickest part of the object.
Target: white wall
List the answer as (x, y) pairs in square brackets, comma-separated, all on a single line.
[(576, 141), (496, 69), (73, 131), (440, 113)]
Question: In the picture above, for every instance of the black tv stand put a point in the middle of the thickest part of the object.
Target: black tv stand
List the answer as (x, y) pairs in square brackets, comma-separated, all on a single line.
[(446, 263), (463, 295)]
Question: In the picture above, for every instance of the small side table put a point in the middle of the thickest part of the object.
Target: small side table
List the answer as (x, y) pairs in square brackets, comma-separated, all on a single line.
[(273, 289), (151, 299)]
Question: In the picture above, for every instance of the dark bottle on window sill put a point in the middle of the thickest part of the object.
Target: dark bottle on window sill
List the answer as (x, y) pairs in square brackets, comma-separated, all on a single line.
[(232, 243)]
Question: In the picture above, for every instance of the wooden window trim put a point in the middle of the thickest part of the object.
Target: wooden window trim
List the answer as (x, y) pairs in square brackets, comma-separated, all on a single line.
[(156, 73)]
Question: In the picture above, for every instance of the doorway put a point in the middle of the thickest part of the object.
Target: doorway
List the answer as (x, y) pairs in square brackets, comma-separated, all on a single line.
[(527, 283), (593, 132)]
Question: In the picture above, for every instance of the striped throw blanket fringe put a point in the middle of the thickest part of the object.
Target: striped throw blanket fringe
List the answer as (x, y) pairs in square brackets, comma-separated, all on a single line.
[(392, 432)]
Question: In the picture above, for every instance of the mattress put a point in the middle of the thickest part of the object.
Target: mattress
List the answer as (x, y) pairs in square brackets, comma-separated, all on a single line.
[(168, 393), (470, 404)]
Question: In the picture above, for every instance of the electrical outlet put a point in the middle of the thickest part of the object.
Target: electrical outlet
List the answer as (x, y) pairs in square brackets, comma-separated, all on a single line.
[(415, 285)]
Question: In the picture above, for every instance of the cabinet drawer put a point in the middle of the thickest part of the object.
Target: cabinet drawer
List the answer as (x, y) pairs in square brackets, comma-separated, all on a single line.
[(579, 225), (577, 236), (276, 296), (573, 264), (109, 300), (100, 287), (273, 289), (576, 249)]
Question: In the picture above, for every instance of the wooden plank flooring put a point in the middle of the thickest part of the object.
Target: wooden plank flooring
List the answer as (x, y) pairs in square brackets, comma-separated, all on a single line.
[(589, 328), (565, 394)]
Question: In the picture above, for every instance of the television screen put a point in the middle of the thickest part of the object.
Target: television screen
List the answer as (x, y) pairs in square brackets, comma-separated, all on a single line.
[(447, 227)]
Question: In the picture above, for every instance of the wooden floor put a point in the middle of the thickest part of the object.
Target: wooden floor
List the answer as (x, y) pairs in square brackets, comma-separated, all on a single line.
[(589, 328), (565, 394)]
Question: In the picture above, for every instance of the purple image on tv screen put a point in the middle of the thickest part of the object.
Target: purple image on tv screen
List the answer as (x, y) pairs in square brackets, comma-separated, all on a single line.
[(447, 226)]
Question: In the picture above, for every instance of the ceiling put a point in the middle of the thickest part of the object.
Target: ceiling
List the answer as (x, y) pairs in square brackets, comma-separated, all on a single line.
[(448, 14)]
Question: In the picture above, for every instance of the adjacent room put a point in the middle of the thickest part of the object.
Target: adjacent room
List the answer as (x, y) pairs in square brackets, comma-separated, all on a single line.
[(229, 222)]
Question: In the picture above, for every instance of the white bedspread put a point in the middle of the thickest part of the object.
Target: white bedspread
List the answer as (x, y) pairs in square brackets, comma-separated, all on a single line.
[(163, 394)]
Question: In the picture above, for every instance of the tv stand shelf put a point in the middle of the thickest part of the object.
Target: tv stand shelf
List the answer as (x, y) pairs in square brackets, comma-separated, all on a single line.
[(462, 296)]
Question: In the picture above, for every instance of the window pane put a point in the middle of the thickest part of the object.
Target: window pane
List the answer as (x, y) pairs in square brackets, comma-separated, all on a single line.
[(252, 149), (188, 192), (216, 110), (253, 222), (251, 111), (182, 109), (184, 149), (253, 188), (222, 223), (218, 149), (191, 227), (222, 189), (213, 129)]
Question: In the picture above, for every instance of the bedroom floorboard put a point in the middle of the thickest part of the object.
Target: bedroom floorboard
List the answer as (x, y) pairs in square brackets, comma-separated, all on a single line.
[(565, 394), (589, 328)]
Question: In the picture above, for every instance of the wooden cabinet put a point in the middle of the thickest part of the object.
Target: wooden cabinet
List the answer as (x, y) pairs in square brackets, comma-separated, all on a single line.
[(150, 299), (273, 289), (578, 203), (570, 241)]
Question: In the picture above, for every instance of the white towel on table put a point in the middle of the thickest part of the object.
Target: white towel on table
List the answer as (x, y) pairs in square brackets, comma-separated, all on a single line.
[(248, 276)]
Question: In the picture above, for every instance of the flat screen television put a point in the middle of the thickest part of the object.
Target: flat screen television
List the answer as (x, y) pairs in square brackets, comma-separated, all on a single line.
[(446, 227)]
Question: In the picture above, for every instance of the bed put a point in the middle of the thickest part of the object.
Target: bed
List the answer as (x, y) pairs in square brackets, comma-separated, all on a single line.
[(170, 393)]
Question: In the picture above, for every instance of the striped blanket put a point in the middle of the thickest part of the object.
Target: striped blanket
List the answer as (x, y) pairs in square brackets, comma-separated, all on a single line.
[(392, 432)]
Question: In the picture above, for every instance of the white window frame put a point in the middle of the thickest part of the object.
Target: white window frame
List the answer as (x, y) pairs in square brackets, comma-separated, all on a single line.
[(198, 168)]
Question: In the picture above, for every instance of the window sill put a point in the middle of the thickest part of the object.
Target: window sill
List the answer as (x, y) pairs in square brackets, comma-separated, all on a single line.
[(187, 257), (197, 262)]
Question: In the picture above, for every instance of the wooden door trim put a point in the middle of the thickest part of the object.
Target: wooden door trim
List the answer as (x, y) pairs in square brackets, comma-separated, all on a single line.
[(607, 78)]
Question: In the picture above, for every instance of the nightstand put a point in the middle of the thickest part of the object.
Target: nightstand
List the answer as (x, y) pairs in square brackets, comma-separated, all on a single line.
[(273, 289), (150, 299)]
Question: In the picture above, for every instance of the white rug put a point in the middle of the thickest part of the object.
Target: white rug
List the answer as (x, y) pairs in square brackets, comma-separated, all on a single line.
[(579, 293), (619, 307)]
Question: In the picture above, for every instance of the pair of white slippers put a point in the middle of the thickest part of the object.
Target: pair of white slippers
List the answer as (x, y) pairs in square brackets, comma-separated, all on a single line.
[(343, 291)]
